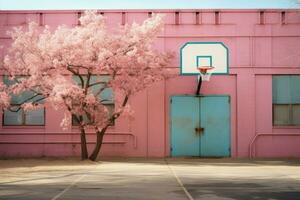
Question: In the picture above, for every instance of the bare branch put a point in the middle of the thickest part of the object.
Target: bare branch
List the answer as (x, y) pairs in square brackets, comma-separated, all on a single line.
[(30, 98), (17, 110), (96, 83), (77, 74), (88, 78), (100, 90)]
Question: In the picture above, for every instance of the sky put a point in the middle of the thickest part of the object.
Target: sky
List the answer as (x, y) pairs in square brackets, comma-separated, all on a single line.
[(145, 4)]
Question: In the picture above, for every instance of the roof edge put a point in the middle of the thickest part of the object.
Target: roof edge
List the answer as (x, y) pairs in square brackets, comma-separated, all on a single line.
[(156, 10)]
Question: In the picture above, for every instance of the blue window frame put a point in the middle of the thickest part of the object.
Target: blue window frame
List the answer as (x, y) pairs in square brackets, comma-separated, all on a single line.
[(16, 116), (286, 100)]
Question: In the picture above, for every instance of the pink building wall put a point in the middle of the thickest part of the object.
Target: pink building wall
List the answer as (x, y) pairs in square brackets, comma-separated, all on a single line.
[(261, 44)]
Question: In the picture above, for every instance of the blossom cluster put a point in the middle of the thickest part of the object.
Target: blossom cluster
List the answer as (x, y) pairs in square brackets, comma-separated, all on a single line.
[(48, 60)]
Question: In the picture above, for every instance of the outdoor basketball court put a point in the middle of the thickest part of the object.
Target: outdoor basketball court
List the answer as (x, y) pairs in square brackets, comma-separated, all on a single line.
[(149, 179)]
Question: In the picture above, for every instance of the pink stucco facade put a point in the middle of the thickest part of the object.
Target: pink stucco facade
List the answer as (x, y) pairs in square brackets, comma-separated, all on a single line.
[(260, 43)]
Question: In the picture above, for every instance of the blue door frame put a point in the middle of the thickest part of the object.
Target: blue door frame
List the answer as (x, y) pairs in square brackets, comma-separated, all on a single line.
[(210, 112)]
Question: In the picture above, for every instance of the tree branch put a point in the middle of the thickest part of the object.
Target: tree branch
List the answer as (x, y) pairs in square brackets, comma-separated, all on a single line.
[(28, 99), (87, 83), (97, 83), (77, 74), (34, 102)]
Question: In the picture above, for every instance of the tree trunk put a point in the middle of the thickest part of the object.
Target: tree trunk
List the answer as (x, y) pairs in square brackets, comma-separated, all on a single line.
[(84, 152), (100, 134), (97, 148)]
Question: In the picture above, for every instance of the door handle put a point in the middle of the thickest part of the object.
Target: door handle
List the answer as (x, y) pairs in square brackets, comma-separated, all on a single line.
[(199, 130)]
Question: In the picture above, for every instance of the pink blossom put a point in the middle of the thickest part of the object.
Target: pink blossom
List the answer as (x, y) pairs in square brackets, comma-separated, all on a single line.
[(4, 100), (50, 59), (31, 106), (4, 97)]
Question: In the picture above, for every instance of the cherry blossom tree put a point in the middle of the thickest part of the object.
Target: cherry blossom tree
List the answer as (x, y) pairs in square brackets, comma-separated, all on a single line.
[(61, 66)]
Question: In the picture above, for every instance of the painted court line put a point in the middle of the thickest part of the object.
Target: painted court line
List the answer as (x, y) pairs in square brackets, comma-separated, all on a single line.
[(71, 185), (179, 182)]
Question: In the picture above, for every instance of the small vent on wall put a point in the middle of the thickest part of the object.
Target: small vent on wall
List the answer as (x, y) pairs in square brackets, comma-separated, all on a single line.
[(261, 17), (217, 17), (283, 17), (177, 18), (198, 21), (41, 19), (78, 17), (123, 18)]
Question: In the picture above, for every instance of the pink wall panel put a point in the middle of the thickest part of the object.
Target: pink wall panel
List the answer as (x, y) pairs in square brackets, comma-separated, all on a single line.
[(293, 17), (263, 104), (272, 18), (3, 32), (249, 18), (136, 17), (32, 17), (52, 19), (262, 30), (3, 19), (245, 110), (159, 44), (58, 149), (208, 18), (278, 146), (169, 18), (200, 31), (244, 21), (113, 19), (53, 119), (286, 51), (188, 18), (286, 30), (283, 130), (263, 51), (21, 150), (139, 123), (156, 120), (243, 55), (231, 18), (15, 19)]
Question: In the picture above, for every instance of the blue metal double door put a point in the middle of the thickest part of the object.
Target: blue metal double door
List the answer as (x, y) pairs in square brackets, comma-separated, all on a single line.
[(200, 126)]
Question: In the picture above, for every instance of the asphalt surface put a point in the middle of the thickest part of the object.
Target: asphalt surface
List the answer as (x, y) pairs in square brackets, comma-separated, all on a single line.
[(150, 179)]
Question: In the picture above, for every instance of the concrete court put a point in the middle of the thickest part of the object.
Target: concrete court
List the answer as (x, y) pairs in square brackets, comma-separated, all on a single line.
[(149, 179)]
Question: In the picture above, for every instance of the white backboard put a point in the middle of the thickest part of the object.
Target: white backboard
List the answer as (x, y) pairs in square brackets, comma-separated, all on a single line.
[(196, 54)]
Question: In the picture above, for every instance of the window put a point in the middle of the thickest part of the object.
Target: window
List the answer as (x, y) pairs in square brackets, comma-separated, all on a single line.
[(17, 116), (286, 100), (106, 95)]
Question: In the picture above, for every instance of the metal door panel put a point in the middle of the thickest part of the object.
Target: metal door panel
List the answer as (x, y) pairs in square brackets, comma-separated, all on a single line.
[(184, 120), (215, 119)]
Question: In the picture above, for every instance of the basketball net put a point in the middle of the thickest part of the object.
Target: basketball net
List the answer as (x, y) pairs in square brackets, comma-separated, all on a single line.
[(205, 73)]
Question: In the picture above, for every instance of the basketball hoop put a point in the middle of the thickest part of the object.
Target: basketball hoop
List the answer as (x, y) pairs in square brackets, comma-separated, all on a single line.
[(203, 59), (205, 76)]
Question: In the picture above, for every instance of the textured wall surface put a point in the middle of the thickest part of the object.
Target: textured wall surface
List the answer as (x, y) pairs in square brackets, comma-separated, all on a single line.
[(261, 44)]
